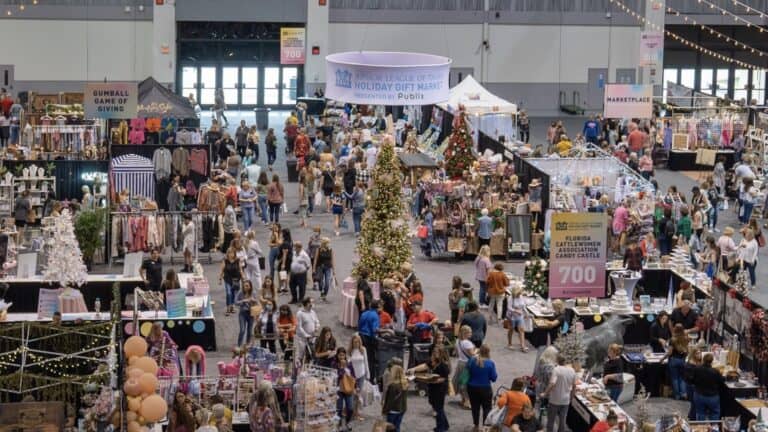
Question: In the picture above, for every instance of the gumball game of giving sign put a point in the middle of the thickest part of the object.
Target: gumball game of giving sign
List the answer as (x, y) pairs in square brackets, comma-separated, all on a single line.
[(577, 255)]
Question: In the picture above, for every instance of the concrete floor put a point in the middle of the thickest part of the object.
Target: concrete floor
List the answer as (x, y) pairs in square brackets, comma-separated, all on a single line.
[(435, 275)]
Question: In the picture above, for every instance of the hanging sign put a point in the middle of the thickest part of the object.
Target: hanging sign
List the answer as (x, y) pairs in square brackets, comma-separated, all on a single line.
[(578, 254), (292, 45), (651, 48), (387, 78), (628, 101), (176, 303), (111, 100)]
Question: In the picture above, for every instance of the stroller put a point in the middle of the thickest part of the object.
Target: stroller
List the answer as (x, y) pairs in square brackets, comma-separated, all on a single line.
[(389, 347)]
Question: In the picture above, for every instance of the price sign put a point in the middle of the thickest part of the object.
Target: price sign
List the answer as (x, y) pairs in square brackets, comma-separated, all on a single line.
[(578, 254), (292, 45)]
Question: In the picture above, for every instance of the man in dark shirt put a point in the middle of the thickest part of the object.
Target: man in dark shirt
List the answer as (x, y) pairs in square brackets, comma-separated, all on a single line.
[(709, 385), (686, 316), (368, 328), (152, 271), (476, 321)]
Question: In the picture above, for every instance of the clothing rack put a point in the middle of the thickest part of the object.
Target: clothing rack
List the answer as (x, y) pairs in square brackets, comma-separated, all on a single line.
[(175, 257)]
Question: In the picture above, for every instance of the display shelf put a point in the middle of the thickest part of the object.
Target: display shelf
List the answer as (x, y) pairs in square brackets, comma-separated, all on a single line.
[(38, 195)]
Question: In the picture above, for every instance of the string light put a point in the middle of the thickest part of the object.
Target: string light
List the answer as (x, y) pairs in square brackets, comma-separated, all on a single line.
[(682, 40), (749, 8), (712, 31), (735, 17)]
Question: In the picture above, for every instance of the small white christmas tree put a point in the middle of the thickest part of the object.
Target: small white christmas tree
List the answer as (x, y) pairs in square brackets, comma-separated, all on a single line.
[(65, 260)]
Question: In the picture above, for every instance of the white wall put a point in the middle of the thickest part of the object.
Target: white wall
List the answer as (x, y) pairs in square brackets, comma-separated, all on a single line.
[(457, 41), (317, 35), (518, 53), (163, 35), (50, 50)]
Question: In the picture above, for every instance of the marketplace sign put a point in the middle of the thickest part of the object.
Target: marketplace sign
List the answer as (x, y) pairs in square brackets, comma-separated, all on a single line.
[(628, 101), (387, 78), (118, 100), (292, 45), (578, 255)]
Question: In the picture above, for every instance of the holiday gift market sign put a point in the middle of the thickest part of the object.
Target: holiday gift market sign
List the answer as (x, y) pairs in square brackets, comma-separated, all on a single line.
[(387, 78), (111, 100), (577, 256)]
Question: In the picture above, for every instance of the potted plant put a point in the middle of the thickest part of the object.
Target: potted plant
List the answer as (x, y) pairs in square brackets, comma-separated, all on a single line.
[(89, 226)]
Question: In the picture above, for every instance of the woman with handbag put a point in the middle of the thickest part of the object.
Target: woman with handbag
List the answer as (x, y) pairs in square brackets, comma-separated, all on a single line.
[(285, 256), (337, 207), (248, 305), (347, 389), (268, 325), (253, 256), (395, 399), (515, 315), (358, 358), (465, 350), (231, 274)]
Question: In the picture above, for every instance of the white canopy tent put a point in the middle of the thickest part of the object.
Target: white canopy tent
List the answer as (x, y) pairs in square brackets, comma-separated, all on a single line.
[(486, 112)]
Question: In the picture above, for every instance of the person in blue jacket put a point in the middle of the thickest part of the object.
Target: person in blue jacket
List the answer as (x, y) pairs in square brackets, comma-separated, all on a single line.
[(482, 373), (591, 130)]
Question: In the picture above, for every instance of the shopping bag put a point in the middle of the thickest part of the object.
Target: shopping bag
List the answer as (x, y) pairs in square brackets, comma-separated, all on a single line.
[(422, 232), (285, 208), (496, 417), (527, 324), (725, 204), (319, 198), (283, 275)]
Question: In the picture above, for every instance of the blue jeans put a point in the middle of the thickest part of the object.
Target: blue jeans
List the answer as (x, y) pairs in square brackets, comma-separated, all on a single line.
[(665, 246), (746, 211), (751, 270), (274, 253), (713, 217), (707, 407), (271, 156), (395, 419), (249, 214), (246, 324), (325, 279), (274, 212), (691, 391), (311, 201), (231, 288), (441, 420), (483, 297), (15, 134), (346, 403), (264, 208), (676, 367), (614, 391), (357, 219)]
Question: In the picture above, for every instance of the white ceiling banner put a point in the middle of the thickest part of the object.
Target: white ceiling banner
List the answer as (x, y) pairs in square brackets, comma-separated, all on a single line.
[(387, 78)]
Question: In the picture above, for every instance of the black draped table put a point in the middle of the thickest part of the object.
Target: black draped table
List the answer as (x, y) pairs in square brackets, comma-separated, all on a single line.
[(685, 160)]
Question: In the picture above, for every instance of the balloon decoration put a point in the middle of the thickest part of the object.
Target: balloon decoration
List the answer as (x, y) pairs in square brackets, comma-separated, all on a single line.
[(141, 383)]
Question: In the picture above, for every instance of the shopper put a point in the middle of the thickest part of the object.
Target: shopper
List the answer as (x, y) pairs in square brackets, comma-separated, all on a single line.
[(328, 180), (358, 206), (395, 399), (497, 288), (524, 126), (5, 129), (275, 198), (270, 141), (268, 325), (152, 270), (645, 165), (337, 207), (275, 240), (286, 330), (189, 238), (285, 254), (484, 228), (358, 357), (324, 267), (261, 417), (262, 189), (609, 424), (667, 230), (692, 363), (307, 326), (727, 247), (245, 300), (346, 393), (247, 198), (253, 259), (476, 321), (300, 265), (465, 350), (363, 292), (613, 372), (482, 268), (515, 400), (241, 138), (516, 313), (748, 254), (561, 386), (709, 385), (253, 143), (304, 197), (325, 348), (482, 375), (526, 421), (231, 274), (219, 105), (678, 350), (440, 365), (171, 281)]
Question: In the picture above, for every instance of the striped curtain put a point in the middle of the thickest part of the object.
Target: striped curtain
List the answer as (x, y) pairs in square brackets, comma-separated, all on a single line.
[(134, 173)]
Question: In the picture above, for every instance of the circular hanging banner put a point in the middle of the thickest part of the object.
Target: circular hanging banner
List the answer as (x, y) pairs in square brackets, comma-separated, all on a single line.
[(387, 78)]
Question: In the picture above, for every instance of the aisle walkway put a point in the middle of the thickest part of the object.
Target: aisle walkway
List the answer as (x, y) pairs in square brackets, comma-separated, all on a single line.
[(435, 275)]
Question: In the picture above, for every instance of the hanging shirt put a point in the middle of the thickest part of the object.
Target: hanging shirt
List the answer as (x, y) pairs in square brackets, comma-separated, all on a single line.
[(162, 163)]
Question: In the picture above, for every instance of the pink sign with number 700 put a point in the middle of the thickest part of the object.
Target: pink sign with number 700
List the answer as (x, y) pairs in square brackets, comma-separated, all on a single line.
[(577, 255)]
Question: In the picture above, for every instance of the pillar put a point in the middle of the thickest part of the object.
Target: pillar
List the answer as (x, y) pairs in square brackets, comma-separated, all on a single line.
[(317, 36), (164, 43), (655, 12)]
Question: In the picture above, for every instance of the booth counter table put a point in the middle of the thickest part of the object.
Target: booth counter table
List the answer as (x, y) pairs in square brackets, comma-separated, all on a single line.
[(24, 292), (66, 318), (685, 160), (185, 330), (585, 411)]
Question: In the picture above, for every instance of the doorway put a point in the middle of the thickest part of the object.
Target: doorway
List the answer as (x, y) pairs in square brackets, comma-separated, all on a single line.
[(597, 79), (245, 86)]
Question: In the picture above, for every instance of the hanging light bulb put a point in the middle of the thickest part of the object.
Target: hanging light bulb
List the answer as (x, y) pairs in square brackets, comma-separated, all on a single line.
[(22, 7), (8, 12)]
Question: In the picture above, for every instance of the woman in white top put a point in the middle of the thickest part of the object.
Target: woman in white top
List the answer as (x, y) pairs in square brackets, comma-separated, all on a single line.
[(727, 247), (748, 253), (358, 357), (252, 255), (188, 234), (515, 317), (466, 350)]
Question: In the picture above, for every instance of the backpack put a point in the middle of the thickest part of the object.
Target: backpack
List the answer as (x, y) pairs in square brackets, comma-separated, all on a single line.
[(669, 229)]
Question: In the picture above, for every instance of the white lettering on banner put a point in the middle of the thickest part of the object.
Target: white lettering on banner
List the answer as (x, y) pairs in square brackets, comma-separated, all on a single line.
[(577, 255)]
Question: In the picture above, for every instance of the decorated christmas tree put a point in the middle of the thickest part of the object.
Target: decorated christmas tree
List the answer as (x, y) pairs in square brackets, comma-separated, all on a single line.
[(535, 277), (458, 155), (384, 243), (65, 261)]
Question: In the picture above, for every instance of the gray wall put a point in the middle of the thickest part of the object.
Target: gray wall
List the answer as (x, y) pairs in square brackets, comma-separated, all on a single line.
[(104, 10), (288, 11)]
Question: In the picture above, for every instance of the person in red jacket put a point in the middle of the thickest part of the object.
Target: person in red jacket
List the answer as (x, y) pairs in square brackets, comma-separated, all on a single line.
[(611, 423), (301, 148)]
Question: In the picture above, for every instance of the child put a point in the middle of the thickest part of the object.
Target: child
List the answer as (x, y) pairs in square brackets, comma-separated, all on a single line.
[(685, 225)]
